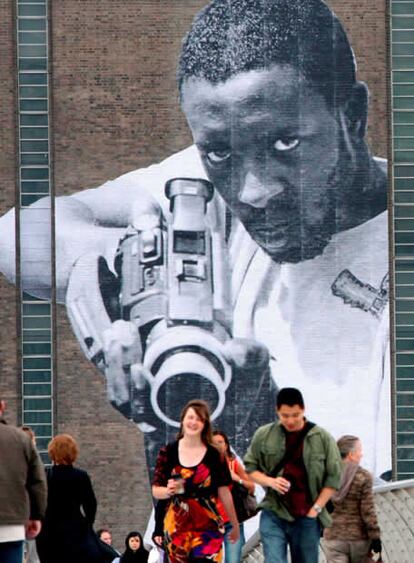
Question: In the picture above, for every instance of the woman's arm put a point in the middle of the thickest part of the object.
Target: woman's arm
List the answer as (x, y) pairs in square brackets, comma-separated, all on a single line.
[(240, 476), (227, 500)]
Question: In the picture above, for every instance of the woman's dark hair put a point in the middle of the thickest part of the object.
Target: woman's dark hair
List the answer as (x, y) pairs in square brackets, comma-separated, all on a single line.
[(140, 555), (202, 410), (229, 454)]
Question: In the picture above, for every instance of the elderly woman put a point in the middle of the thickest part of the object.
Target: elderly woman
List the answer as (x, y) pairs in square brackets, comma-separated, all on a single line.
[(67, 535), (355, 531)]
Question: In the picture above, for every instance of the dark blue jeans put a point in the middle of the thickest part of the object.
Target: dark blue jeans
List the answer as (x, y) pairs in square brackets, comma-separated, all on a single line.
[(11, 552), (302, 536)]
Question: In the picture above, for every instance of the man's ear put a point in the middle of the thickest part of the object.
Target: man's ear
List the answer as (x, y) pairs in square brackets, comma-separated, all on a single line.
[(356, 110)]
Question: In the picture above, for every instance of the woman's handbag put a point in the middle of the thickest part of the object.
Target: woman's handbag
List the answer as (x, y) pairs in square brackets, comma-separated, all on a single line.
[(245, 504)]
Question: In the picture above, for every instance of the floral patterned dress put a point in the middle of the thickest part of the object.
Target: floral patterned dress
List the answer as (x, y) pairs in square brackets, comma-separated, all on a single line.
[(193, 526)]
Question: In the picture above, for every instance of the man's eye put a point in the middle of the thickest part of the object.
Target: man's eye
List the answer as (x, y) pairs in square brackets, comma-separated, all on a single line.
[(286, 144), (216, 157)]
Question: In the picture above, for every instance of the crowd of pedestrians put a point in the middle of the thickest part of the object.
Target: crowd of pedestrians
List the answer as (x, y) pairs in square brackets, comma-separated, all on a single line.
[(313, 487)]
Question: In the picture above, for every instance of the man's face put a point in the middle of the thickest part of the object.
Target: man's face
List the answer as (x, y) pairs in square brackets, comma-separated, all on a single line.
[(292, 418), (106, 537), (271, 147)]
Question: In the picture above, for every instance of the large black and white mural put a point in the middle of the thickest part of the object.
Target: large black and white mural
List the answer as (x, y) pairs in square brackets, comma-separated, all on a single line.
[(254, 259)]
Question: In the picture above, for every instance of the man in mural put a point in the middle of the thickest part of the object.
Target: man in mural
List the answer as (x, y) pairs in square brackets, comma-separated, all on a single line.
[(278, 119)]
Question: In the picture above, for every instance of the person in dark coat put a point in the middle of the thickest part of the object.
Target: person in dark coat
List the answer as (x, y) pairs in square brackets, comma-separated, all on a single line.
[(67, 535), (135, 551)]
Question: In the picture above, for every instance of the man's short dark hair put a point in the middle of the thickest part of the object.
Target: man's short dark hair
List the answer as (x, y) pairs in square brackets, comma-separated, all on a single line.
[(290, 396), (232, 36)]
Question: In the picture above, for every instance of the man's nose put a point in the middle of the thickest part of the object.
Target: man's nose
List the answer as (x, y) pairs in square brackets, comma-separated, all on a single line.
[(257, 189)]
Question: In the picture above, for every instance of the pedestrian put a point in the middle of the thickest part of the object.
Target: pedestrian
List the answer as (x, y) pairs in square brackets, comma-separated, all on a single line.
[(135, 551), (30, 552), (232, 551), (299, 464), (23, 491), (67, 535), (192, 474), (354, 532)]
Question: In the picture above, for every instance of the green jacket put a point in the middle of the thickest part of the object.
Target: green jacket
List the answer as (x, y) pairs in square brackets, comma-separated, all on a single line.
[(320, 455)]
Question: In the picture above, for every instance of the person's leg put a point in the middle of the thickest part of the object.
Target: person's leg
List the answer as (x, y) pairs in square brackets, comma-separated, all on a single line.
[(358, 550), (273, 536), (232, 551), (304, 536), (336, 551), (11, 552)]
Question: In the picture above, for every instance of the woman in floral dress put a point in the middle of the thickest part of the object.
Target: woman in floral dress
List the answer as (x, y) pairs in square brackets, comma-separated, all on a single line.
[(192, 474)]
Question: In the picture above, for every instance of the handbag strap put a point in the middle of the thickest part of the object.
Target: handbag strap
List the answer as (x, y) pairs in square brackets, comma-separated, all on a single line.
[(289, 454)]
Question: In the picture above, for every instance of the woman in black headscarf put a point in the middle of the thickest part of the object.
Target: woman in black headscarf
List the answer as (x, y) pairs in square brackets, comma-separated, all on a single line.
[(135, 551)]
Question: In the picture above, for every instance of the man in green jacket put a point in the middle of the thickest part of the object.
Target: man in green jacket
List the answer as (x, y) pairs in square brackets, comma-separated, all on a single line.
[(23, 490), (299, 464)]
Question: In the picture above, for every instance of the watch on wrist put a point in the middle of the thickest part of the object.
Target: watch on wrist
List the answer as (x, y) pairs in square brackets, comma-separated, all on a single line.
[(317, 508)]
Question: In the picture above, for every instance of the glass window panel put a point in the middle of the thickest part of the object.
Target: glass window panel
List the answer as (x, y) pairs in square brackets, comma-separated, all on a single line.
[(33, 38), (404, 291), (405, 412), (403, 89), (403, 130), (34, 132), (404, 385), (37, 417), (403, 372), (42, 430), (39, 10), (34, 173), (404, 171), (403, 35), (403, 103), (34, 146), (36, 158), (404, 319), (28, 297), (45, 335), (404, 183), (405, 466), (402, 76), (39, 376), (404, 249), (35, 187), (399, 63), (406, 238), (402, 8), (42, 443), (404, 197), (32, 64), (33, 79), (404, 210), (405, 426), (27, 200), (37, 349), (45, 457), (403, 117), (404, 225), (32, 1), (405, 331), (404, 265), (37, 404), (402, 22), (34, 24), (404, 156), (36, 363), (33, 91), (405, 360), (403, 305), (37, 390), (404, 143), (405, 345), (33, 105), (32, 51), (403, 48), (35, 309), (27, 119), (36, 322)]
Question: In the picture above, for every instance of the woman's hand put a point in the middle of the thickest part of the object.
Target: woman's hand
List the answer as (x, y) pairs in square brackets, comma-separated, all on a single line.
[(234, 534)]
